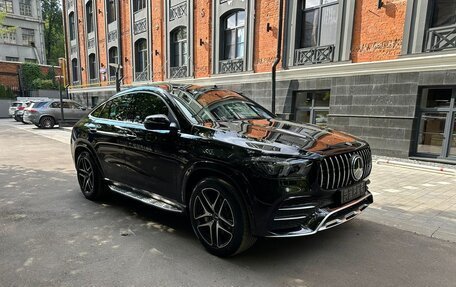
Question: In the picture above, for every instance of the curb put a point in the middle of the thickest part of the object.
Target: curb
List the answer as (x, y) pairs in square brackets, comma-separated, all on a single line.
[(436, 169)]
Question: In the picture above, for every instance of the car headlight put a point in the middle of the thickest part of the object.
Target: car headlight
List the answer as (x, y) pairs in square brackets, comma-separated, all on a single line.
[(279, 167)]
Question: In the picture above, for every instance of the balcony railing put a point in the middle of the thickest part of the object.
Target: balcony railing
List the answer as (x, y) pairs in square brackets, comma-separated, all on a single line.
[(314, 55), (94, 81), (178, 72), (112, 36), (76, 83), (231, 66), (142, 76), (91, 43), (140, 26), (177, 11), (441, 38)]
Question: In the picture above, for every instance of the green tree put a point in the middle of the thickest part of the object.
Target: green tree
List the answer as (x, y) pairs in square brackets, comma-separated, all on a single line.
[(5, 30), (54, 36)]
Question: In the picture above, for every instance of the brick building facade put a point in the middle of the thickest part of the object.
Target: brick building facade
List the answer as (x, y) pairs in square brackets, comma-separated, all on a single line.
[(387, 74)]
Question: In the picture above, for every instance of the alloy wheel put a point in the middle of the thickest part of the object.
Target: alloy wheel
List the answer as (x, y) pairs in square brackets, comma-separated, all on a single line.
[(86, 175), (47, 123), (214, 218)]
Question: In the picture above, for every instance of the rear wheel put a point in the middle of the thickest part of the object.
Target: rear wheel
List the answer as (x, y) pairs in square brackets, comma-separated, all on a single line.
[(47, 122), (90, 181), (219, 218)]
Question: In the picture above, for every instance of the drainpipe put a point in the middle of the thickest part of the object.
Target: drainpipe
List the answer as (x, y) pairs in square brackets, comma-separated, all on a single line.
[(278, 57)]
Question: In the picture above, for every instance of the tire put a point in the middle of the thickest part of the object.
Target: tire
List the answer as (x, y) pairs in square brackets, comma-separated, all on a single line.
[(47, 122), (89, 177), (17, 118), (219, 218)]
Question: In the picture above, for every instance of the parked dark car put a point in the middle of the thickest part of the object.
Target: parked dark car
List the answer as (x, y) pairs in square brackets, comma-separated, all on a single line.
[(234, 168)]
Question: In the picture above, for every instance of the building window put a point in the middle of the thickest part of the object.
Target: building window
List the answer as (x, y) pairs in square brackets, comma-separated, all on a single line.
[(8, 34), (72, 26), (89, 15), (113, 59), (442, 25), (74, 70), (6, 6), (111, 11), (179, 53), (233, 36), (29, 60), (92, 67), (312, 107), (139, 5), (25, 7), (12, 59), (28, 37), (437, 123), (233, 43), (317, 34), (141, 62)]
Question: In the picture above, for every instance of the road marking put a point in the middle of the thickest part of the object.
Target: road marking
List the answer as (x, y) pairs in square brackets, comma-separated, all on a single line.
[(374, 193), (443, 182), (392, 190), (410, 187), (428, 184)]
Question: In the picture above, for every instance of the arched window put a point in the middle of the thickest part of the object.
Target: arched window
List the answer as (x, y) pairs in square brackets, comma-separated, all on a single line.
[(75, 70), (141, 60), (233, 37), (179, 47), (92, 67), (111, 10), (72, 26), (89, 15), (113, 59)]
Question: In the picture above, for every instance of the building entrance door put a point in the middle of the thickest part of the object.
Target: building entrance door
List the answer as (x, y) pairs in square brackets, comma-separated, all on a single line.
[(437, 126)]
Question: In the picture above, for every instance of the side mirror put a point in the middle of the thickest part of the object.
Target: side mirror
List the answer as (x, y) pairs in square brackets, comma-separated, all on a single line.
[(159, 122)]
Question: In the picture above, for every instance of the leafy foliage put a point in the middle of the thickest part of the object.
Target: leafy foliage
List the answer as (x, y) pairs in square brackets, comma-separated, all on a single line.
[(34, 79), (54, 37), (5, 30), (6, 92)]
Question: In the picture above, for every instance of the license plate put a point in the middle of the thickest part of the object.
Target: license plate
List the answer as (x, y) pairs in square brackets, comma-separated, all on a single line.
[(353, 192)]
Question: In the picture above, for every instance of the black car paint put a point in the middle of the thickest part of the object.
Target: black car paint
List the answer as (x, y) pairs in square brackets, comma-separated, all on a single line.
[(168, 163)]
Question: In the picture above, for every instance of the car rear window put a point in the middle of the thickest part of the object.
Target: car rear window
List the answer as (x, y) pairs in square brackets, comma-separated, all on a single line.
[(15, 105), (39, 105)]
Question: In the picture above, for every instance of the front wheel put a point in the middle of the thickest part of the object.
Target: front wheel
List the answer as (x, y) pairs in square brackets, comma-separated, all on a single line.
[(219, 218), (90, 181)]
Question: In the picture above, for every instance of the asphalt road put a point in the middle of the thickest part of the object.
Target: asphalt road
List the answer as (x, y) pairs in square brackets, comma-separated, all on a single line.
[(50, 235)]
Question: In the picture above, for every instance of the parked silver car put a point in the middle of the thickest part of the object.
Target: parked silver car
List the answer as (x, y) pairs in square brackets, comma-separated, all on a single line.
[(47, 114)]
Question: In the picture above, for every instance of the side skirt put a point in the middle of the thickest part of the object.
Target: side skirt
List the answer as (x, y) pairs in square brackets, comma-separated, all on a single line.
[(147, 197)]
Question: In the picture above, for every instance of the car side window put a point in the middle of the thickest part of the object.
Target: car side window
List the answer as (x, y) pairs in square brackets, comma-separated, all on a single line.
[(55, 105), (145, 104), (98, 111), (121, 109)]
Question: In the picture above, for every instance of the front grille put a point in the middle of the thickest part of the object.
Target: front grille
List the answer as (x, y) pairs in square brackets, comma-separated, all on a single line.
[(335, 171)]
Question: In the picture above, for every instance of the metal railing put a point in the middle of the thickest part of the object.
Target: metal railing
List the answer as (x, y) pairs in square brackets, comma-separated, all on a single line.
[(441, 38), (94, 81), (140, 26), (178, 72), (314, 55), (178, 10), (231, 66)]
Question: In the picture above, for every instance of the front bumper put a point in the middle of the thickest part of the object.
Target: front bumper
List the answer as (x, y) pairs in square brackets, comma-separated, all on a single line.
[(325, 218)]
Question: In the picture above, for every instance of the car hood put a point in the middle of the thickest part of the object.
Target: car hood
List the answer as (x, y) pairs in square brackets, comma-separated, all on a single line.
[(280, 137)]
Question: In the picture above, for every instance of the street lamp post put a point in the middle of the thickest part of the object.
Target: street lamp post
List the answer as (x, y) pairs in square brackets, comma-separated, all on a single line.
[(61, 98), (118, 79)]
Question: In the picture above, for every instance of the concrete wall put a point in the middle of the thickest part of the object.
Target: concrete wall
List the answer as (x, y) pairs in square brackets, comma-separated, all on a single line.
[(4, 106)]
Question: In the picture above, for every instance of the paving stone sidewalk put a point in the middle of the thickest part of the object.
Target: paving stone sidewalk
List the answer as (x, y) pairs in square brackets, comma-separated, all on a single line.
[(419, 201)]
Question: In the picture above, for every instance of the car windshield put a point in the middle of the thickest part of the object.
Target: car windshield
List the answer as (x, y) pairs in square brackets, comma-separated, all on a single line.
[(213, 105)]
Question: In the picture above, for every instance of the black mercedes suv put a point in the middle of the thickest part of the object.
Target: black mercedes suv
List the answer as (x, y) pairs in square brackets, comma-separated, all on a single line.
[(234, 168)]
